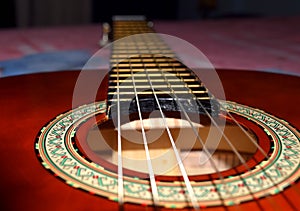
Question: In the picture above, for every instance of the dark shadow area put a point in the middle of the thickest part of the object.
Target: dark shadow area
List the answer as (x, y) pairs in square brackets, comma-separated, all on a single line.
[(155, 9), (7, 14)]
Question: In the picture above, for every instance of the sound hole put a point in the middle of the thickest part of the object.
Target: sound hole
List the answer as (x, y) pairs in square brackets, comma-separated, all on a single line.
[(102, 140)]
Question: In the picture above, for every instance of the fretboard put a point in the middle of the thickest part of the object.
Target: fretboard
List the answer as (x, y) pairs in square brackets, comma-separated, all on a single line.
[(136, 60)]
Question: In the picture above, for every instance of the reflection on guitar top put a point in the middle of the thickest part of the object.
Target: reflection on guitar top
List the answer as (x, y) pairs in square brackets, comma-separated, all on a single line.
[(162, 139)]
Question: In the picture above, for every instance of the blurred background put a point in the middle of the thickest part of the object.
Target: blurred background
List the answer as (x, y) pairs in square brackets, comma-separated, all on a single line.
[(48, 35), (24, 13)]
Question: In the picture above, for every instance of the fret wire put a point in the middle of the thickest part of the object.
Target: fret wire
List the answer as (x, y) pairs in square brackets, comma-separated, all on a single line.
[(155, 74), (126, 70), (157, 80), (145, 44), (237, 124), (167, 65), (234, 149), (189, 187), (140, 47), (158, 86), (206, 151), (146, 50), (161, 46), (147, 60), (123, 68), (154, 189), (129, 99), (227, 139), (132, 43), (149, 69), (121, 57), (159, 92), (141, 51)]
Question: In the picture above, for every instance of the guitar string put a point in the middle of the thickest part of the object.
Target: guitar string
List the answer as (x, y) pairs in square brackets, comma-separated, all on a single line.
[(226, 190), (293, 185), (153, 185), (206, 151), (243, 181), (201, 141), (260, 167), (220, 130), (251, 138), (249, 190), (120, 161), (234, 149), (244, 131), (253, 141), (241, 159), (171, 137), (296, 188), (187, 182)]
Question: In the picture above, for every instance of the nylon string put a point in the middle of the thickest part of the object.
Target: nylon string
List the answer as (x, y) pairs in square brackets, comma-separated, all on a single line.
[(120, 163), (154, 190), (206, 151), (179, 161), (242, 160)]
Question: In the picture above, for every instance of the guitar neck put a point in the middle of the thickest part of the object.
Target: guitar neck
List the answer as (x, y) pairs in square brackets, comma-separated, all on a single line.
[(139, 56)]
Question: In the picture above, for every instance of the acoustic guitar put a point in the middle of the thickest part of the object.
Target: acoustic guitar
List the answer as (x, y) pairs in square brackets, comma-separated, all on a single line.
[(149, 134)]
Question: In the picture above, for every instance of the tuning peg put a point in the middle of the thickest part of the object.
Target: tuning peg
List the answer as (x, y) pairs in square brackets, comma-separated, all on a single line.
[(105, 34), (150, 24)]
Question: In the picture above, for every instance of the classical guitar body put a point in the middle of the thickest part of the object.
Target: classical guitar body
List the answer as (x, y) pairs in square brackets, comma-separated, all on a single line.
[(150, 137)]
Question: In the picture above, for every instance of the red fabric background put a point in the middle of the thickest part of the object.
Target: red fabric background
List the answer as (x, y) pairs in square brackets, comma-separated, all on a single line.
[(254, 43)]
